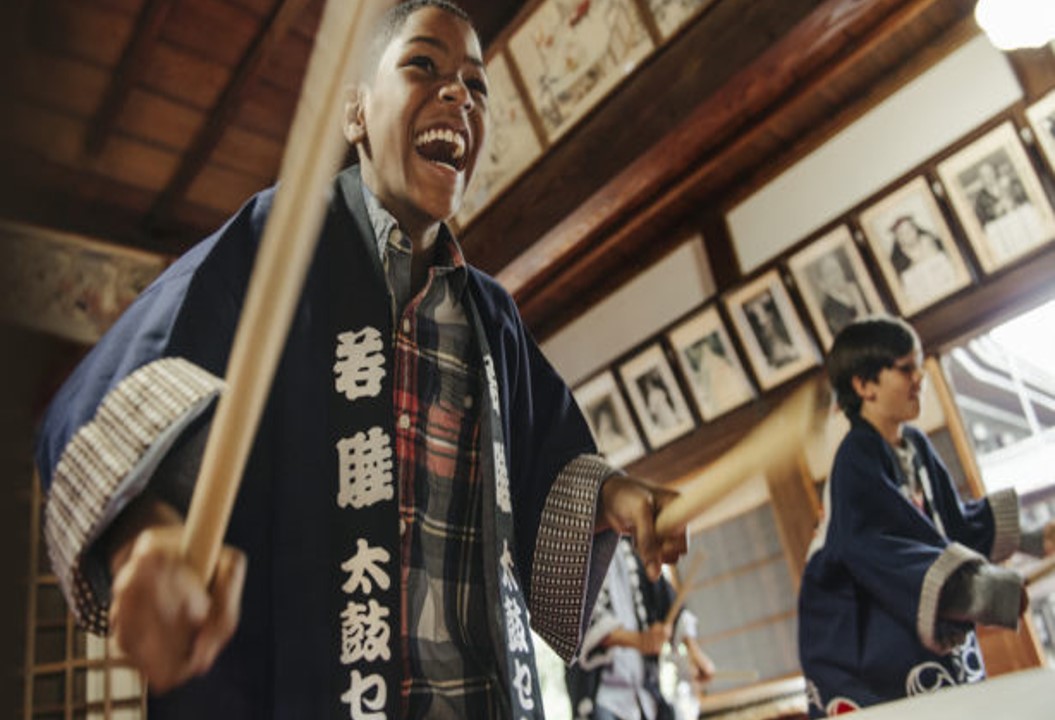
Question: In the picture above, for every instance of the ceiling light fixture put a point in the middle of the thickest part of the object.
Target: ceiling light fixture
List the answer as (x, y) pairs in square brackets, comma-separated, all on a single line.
[(1016, 24)]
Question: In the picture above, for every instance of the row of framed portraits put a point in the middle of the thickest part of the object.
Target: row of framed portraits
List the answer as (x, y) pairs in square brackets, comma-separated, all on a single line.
[(995, 195)]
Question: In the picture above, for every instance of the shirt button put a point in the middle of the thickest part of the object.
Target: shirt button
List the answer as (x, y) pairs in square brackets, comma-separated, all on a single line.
[(404, 421), (468, 401), (406, 325)]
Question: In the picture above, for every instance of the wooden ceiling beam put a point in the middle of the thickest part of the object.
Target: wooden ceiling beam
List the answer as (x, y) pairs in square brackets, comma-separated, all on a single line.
[(272, 33), (127, 73), (624, 224)]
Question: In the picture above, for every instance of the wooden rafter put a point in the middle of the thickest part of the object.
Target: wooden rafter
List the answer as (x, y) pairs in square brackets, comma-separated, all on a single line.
[(128, 72), (272, 33)]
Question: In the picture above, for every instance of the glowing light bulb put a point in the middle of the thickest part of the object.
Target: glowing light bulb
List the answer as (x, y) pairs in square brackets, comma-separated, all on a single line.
[(1014, 24)]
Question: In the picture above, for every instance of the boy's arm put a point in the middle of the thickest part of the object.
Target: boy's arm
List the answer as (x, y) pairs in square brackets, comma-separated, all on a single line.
[(167, 621), (1039, 541), (983, 593), (892, 550), (588, 507), (141, 425), (702, 666), (126, 476)]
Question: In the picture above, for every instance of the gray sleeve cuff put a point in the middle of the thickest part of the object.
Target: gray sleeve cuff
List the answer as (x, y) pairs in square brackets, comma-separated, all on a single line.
[(986, 594), (570, 559), (952, 559), (107, 464), (1032, 542), (1007, 534)]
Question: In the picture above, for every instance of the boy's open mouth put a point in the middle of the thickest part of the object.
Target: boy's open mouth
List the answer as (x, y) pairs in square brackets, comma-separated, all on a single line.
[(443, 146)]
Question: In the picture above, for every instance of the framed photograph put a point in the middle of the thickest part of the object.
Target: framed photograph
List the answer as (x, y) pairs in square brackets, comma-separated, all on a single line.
[(998, 198), (774, 337), (709, 363), (571, 54), (914, 247), (672, 15), (1041, 117), (655, 396), (609, 419), (511, 143), (834, 283)]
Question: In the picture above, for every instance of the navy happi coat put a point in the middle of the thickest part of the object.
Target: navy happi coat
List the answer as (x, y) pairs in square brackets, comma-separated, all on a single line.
[(279, 664)]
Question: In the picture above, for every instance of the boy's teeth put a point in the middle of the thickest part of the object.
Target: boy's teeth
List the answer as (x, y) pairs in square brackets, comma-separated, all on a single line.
[(445, 135)]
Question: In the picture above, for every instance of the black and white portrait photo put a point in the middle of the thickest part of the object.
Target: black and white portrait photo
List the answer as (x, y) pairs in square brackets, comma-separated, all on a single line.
[(656, 397), (770, 330), (914, 247), (998, 198), (773, 336), (1041, 115), (709, 363), (609, 419), (834, 283)]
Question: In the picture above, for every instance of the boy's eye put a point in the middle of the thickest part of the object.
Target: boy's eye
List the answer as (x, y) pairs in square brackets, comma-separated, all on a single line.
[(422, 61), (477, 86)]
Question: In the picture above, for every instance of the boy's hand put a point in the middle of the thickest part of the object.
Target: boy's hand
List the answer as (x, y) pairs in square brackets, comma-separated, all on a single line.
[(629, 506), (652, 639), (1049, 538), (168, 623)]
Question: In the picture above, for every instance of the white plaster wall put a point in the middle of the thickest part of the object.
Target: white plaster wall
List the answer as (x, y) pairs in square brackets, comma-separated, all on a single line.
[(655, 298), (945, 103)]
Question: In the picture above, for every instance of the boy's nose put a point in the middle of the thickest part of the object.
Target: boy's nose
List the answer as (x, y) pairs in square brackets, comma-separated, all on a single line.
[(455, 90)]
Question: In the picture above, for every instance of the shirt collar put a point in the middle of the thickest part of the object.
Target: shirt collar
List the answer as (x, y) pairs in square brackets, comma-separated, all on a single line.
[(449, 252)]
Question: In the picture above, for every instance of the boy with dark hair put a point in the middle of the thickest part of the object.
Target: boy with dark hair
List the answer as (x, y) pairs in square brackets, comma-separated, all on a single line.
[(901, 569), (421, 476)]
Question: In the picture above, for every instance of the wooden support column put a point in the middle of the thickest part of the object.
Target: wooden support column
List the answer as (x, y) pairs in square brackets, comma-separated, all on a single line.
[(794, 503)]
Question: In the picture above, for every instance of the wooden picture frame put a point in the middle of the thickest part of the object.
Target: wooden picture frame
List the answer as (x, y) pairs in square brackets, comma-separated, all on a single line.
[(834, 283), (708, 361), (774, 338), (609, 419), (571, 55), (1041, 116), (672, 15), (914, 247), (656, 397), (998, 198)]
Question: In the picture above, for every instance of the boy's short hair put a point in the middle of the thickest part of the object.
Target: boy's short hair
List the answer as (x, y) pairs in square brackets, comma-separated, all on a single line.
[(393, 20), (863, 349)]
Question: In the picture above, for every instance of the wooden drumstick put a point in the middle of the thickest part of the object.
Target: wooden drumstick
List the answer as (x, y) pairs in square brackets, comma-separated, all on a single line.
[(776, 439), (1041, 570), (733, 675), (313, 153), (688, 582)]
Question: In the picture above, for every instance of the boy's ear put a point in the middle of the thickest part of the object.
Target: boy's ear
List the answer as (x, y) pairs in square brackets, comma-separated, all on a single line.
[(862, 388), (353, 126)]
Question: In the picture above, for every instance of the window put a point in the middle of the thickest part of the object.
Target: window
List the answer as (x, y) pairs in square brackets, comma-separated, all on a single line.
[(744, 597), (1004, 388), (70, 674)]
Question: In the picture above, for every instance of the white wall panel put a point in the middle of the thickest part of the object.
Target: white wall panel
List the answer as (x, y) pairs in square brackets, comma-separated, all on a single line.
[(936, 109)]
